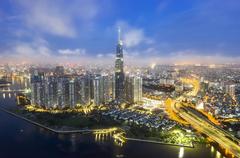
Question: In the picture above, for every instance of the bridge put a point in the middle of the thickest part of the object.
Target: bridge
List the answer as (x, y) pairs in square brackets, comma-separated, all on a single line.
[(116, 133), (106, 131)]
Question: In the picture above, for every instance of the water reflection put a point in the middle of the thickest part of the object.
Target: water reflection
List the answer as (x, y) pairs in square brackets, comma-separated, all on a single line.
[(102, 137), (73, 142), (218, 155), (7, 95), (181, 152), (212, 149)]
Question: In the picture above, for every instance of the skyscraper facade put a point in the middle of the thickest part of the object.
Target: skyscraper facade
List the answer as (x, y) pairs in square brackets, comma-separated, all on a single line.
[(98, 90), (119, 73), (37, 86), (133, 89), (83, 90), (51, 92), (103, 89)]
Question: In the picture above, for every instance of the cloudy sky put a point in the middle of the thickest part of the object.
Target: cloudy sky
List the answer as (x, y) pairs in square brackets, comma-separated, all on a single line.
[(85, 31)]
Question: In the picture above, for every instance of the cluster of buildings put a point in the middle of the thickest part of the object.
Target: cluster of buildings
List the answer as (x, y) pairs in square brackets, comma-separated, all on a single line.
[(220, 91), (59, 90), (220, 104), (132, 117)]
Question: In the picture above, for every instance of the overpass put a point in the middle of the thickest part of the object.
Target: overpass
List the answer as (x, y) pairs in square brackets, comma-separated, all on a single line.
[(217, 134)]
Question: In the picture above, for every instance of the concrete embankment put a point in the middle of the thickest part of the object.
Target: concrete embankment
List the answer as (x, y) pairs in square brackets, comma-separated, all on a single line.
[(158, 142)]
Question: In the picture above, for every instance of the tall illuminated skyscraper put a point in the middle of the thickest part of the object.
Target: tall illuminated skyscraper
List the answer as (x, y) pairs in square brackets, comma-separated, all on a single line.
[(119, 74)]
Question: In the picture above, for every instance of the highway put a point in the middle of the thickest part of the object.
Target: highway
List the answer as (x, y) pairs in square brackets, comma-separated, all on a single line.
[(204, 126), (208, 129)]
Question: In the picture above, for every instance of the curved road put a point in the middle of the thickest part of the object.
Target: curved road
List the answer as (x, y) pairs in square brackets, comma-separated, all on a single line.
[(205, 127)]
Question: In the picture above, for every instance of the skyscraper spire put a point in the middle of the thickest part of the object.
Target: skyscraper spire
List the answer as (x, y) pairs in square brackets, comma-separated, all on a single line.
[(119, 36)]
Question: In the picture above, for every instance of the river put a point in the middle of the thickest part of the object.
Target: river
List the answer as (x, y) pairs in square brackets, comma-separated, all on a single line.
[(21, 139)]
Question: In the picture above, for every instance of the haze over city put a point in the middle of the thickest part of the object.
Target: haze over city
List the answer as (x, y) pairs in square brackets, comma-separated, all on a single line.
[(83, 32)]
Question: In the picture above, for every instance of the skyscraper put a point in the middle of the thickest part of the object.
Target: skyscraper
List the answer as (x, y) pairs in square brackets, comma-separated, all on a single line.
[(83, 90), (133, 89), (72, 94), (59, 70), (230, 89), (37, 86), (102, 89), (62, 92), (51, 91), (98, 90), (119, 74)]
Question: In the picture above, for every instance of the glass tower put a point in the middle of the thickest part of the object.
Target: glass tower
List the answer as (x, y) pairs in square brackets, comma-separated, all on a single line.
[(119, 74)]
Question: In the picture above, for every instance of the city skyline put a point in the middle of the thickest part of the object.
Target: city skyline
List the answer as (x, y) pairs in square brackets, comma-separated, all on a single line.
[(161, 32), (114, 79)]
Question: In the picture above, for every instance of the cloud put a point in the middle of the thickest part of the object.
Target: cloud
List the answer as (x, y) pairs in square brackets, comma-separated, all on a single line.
[(39, 52), (36, 50), (85, 10), (111, 55), (133, 36), (74, 52), (56, 17), (99, 55), (48, 17)]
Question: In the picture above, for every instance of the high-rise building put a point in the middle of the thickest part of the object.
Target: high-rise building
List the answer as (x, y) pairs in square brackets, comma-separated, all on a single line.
[(72, 93), (230, 89), (37, 86), (103, 89), (83, 90), (51, 92), (106, 88), (133, 89), (59, 70), (113, 87), (63, 92), (98, 90), (119, 74)]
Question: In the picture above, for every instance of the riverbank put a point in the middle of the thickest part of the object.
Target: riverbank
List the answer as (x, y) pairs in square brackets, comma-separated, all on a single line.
[(45, 127), (158, 142), (86, 130)]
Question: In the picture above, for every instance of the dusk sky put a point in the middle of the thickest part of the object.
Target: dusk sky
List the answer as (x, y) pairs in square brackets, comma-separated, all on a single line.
[(85, 31)]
